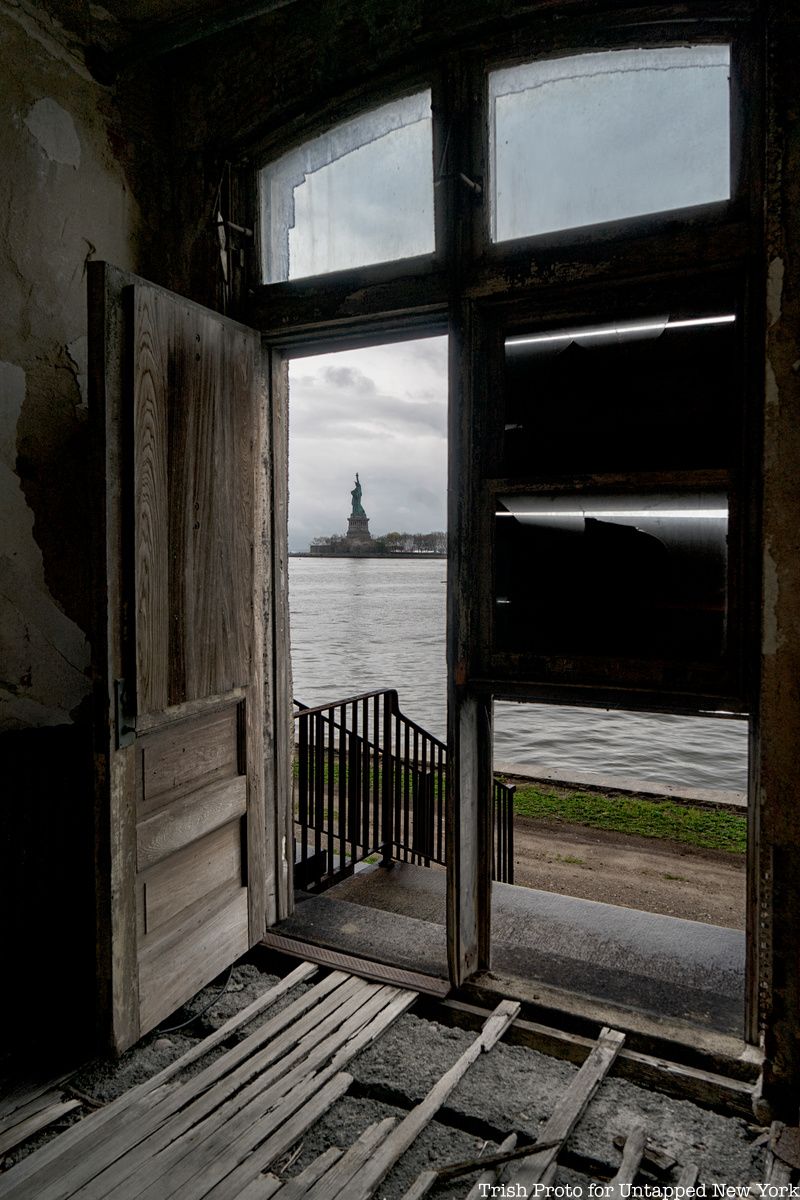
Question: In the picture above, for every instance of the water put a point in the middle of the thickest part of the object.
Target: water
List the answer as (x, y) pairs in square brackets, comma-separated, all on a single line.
[(363, 624)]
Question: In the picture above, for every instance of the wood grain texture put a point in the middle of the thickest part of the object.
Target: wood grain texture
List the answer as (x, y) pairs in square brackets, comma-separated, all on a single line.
[(172, 970), (281, 723), (190, 818), (59, 1159), (181, 758), (398, 1141), (31, 1124), (259, 709), (195, 407), (202, 867), (114, 812), (569, 1109)]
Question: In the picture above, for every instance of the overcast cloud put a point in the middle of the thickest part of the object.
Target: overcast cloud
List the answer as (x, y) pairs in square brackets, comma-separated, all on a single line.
[(381, 411)]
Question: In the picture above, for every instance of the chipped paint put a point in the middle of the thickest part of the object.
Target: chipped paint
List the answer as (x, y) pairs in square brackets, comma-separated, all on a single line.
[(771, 638), (54, 130), (772, 393), (774, 290), (67, 195)]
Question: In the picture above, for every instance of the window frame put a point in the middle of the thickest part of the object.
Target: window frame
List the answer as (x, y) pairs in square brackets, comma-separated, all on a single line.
[(467, 285)]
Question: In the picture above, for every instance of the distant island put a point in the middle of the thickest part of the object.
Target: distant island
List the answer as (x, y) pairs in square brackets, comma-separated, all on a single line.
[(358, 542)]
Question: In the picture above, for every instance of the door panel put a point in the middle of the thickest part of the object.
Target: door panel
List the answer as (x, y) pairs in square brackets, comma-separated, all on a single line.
[(195, 410), (187, 853)]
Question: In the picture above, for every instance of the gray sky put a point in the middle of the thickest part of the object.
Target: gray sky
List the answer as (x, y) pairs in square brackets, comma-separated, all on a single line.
[(381, 411)]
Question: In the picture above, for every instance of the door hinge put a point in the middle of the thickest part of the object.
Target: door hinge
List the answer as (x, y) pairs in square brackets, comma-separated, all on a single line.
[(124, 720)]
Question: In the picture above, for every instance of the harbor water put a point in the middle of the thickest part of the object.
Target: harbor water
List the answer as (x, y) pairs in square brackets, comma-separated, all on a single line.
[(358, 625)]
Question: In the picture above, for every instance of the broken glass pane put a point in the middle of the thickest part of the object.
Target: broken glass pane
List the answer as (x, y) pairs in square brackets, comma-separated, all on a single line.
[(599, 137), (612, 575), (359, 193), (654, 393)]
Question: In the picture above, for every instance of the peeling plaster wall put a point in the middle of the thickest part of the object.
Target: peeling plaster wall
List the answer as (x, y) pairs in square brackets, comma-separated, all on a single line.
[(64, 198)]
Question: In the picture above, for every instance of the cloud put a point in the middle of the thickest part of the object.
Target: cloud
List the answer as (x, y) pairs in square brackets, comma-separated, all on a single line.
[(350, 378), (381, 411)]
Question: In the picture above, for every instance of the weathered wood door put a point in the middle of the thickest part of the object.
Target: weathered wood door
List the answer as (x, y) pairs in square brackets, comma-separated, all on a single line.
[(187, 846)]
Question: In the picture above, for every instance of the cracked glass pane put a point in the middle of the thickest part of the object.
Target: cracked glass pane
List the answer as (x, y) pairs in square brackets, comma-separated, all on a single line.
[(600, 137), (623, 574), (359, 193)]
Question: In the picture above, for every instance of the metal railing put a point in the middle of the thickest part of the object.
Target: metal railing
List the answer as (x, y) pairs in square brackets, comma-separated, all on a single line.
[(370, 781)]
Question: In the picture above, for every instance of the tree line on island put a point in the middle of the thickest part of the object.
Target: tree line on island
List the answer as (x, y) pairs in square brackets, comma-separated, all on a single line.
[(395, 543)]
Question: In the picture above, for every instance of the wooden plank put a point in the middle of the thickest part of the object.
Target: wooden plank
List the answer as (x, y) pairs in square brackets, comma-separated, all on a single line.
[(261, 1188), (114, 813), (570, 1107), (266, 1153), (720, 1092), (188, 819), (421, 1185), (339, 1177), (488, 1177), (25, 1177), (281, 720), (777, 1173), (30, 1101), (194, 455), (632, 1154), (34, 1122), (412, 1125), (296, 1188), (151, 468), (428, 985), (688, 1176), (188, 755), (261, 712), (257, 1085), (168, 1129), (202, 867), (244, 1147), (178, 967), (311, 1108)]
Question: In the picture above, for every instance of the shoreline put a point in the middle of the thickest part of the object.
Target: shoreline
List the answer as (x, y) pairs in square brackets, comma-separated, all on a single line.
[(606, 784)]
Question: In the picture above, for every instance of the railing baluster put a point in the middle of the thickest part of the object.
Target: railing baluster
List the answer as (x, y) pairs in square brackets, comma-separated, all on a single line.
[(329, 735), (319, 785), (398, 782), (387, 783), (302, 789), (342, 787), (407, 783), (370, 779), (365, 792), (376, 775), (354, 785)]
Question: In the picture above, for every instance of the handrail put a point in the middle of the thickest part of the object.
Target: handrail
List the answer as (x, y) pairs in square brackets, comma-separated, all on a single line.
[(370, 780), (321, 708)]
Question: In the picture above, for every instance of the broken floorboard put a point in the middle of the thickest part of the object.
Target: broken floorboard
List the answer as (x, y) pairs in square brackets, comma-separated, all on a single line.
[(213, 1133)]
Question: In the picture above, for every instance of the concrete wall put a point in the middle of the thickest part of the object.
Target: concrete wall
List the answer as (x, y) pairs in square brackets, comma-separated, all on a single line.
[(64, 198)]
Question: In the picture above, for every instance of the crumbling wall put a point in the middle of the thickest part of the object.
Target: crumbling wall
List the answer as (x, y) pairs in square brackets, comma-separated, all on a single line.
[(64, 198)]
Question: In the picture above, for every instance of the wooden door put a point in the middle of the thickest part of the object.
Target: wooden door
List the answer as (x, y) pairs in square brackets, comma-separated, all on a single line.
[(187, 847)]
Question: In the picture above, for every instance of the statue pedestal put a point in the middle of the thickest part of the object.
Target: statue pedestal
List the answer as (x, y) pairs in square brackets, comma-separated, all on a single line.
[(358, 533)]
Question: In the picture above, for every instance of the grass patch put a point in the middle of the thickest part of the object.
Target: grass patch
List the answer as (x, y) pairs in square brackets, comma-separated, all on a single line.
[(710, 829)]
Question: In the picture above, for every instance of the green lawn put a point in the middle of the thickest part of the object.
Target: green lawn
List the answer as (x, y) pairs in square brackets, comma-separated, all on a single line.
[(711, 829)]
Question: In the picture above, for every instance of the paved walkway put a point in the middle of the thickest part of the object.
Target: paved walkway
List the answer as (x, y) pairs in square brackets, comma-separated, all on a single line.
[(659, 965)]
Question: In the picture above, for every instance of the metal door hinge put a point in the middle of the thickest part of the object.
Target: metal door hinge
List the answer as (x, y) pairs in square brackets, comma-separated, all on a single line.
[(124, 720)]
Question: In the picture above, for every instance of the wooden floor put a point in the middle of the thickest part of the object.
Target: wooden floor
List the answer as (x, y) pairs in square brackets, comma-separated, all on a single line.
[(212, 1133), (216, 1122)]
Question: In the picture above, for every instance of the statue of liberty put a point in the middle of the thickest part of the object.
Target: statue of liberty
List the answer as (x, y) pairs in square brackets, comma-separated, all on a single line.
[(356, 493)]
